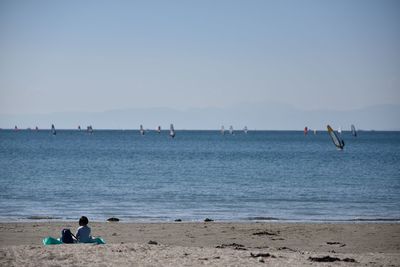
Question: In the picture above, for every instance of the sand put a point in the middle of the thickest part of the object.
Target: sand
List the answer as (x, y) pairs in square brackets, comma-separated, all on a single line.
[(211, 244)]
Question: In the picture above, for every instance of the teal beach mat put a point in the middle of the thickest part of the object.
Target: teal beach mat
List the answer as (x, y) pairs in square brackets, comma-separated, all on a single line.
[(56, 241)]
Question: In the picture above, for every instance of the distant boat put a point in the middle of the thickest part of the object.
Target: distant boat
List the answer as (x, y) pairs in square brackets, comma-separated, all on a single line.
[(89, 129), (36, 128), (305, 130), (141, 130), (231, 129), (159, 129), (315, 131), (339, 130), (15, 128), (222, 130), (53, 129), (353, 130), (79, 127), (339, 143), (245, 129), (172, 131)]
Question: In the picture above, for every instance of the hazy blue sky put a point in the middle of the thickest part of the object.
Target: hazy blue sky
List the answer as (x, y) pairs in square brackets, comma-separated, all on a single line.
[(101, 55)]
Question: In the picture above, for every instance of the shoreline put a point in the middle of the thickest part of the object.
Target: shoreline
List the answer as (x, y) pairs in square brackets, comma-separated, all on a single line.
[(51, 219), (213, 243)]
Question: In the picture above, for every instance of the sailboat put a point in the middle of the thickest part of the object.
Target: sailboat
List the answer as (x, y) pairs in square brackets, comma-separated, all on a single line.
[(353, 130), (223, 130), (172, 131), (79, 127), (231, 129), (245, 129), (339, 143), (90, 129), (141, 130), (159, 129), (305, 130), (53, 129)]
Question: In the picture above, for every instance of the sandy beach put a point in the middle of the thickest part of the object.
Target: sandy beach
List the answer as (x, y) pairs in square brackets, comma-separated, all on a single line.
[(211, 243)]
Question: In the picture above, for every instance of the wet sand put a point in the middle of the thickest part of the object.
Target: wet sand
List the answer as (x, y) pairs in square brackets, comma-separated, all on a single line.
[(211, 243)]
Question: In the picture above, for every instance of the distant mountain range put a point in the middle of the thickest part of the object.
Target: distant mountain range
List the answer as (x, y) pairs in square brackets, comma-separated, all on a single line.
[(254, 116)]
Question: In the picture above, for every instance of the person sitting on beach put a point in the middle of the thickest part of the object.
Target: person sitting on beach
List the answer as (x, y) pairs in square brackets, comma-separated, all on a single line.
[(83, 233)]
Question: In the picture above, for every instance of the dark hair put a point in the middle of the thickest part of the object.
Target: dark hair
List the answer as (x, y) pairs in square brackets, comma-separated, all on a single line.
[(83, 221)]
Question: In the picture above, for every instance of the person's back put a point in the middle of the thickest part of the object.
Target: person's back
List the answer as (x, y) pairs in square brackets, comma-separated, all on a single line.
[(83, 233)]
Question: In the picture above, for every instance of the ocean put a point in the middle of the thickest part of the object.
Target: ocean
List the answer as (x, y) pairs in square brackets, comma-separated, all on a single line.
[(259, 176)]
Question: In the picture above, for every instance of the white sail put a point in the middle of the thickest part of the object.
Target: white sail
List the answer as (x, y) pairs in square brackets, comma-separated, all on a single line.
[(141, 130), (172, 131), (353, 130), (222, 130), (231, 129)]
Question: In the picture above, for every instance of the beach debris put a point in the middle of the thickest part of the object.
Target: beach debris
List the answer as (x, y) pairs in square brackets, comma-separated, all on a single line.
[(286, 248), (112, 219), (333, 243), (114, 234), (330, 259), (324, 259), (233, 245), (260, 259), (208, 220), (266, 233), (263, 255), (178, 220), (349, 260), (203, 259), (151, 242), (336, 243)]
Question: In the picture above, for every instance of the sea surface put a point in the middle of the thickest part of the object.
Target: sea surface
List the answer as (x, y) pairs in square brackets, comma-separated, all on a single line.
[(262, 175)]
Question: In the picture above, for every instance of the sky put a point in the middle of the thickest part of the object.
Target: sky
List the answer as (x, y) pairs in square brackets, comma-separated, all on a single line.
[(92, 56)]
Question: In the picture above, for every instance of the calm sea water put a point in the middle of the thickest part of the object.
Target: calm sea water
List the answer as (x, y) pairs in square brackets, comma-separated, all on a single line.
[(264, 175)]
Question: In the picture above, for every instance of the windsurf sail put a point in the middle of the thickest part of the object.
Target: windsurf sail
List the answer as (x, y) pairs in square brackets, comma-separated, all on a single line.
[(339, 130), (339, 143), (231, 129), (222, 130), (53, 129), (172, 131), (141, 130), (159, 129), (353, 130), (305, 130), (245, 129)]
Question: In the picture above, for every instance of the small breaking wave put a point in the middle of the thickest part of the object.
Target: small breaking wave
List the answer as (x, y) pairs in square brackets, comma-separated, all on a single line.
[(43, 218), (260, 218)]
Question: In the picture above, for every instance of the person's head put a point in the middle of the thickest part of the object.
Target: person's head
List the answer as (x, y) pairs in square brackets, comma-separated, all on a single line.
[(83, 221)]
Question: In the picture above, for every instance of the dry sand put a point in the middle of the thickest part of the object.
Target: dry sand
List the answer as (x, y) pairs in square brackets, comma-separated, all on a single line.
[(197, 244)]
